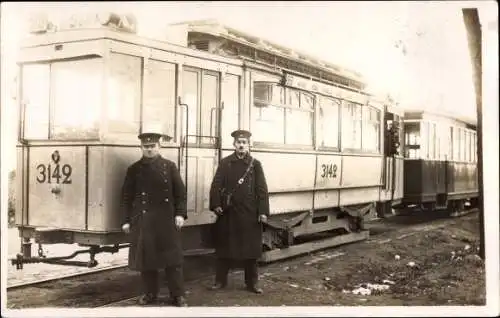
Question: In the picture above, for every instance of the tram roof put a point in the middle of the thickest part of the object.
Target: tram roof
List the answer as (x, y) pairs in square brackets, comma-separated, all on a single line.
[(216, 29)]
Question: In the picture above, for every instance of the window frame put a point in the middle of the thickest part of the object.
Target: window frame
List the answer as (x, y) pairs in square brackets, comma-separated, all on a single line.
[(284, 105), (345, 103), (369, 108), (235, 114), (49, 135), (338, 102), (144, 104), (199, 141), (412, 146)]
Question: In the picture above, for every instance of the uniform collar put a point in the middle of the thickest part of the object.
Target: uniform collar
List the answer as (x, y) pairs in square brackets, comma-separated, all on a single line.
[(245, 159), (147, 161)]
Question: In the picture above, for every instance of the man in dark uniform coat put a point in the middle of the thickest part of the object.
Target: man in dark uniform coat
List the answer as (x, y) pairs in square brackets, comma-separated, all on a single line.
[(154, 204), (238, 229)]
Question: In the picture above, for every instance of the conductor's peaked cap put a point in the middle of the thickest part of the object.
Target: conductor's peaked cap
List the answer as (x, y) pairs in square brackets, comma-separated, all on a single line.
[(241, 134), (152, 138)]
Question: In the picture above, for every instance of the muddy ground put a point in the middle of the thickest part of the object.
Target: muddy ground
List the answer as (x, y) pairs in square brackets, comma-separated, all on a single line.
[(406, 261)]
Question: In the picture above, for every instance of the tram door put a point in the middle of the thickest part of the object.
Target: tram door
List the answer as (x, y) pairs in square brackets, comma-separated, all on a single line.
[(392, 148), (200, 104)]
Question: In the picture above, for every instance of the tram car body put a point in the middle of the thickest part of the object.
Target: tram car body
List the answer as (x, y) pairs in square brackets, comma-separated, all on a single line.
[(440, 169), (87, 92)]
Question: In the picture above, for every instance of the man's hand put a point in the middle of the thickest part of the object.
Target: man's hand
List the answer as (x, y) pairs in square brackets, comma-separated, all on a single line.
[(179, 221), (218, 210), (126, 228), (262, 218)]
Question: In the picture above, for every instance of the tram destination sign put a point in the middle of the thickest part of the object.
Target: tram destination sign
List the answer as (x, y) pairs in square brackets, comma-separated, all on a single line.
[(324, 89), (310, 85)]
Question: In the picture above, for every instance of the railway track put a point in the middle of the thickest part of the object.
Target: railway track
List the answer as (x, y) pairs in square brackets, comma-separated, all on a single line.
[(65, 276), (377, 227)]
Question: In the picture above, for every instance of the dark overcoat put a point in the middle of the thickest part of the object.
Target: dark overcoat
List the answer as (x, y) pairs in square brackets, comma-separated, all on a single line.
[(152, 195), (238, 232)]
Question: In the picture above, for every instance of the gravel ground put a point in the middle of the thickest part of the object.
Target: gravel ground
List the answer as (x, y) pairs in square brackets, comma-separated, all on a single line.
[(408, 261)]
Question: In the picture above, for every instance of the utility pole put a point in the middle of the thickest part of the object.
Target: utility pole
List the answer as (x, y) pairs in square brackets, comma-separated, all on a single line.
[(473, 27)]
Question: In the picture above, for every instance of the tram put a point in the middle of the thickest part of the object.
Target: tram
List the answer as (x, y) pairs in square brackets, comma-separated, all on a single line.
[(331, 152), (440, 165)]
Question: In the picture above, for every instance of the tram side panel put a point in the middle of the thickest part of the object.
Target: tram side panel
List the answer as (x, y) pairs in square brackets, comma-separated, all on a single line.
[(21, 197), (107, 168), (56, 184), (339, 180), (413, 187), (360, 179), (290, 177), (463, 180), (386, 192), (424, 180), (400, 177), (107, 215)]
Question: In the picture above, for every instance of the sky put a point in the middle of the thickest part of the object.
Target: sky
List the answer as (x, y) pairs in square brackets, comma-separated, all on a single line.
[(416, 51)]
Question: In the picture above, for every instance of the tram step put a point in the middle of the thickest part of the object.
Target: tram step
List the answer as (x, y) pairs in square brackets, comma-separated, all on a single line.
[(295, 250)]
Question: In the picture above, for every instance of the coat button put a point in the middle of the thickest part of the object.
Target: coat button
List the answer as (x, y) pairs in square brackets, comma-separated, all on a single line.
[(144, 193), (166, 200), (143, 202), (165, 180), (143, 211)]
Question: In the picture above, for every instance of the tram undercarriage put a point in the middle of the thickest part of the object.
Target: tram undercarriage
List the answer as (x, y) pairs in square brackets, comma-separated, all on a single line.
[(284, 236)]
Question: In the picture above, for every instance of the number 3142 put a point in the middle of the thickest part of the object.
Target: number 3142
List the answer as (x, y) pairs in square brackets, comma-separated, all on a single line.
[(328, 171)]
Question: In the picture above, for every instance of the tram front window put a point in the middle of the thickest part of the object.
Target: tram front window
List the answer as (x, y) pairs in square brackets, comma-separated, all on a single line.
[(412, 140), (62, 99)]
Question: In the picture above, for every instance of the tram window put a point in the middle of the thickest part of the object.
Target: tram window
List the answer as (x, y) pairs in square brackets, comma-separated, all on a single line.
[(471, 155), (298, 118), (412, 140), (266, 93), (231, 99), (371, 128), (282, 123), (263, 92), (76, 99), (465, 144), (432, 140), (329, 122), (269, 124), (124, 93), (36, 90), (159, 97), (293, 97), (209, 104), (474, 147), (351, 125), (463, 152), (469, 146), (451, 147), (456, 144), (444, 143), (190, 97), (298, 127), (201, 94), (306, 101)]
